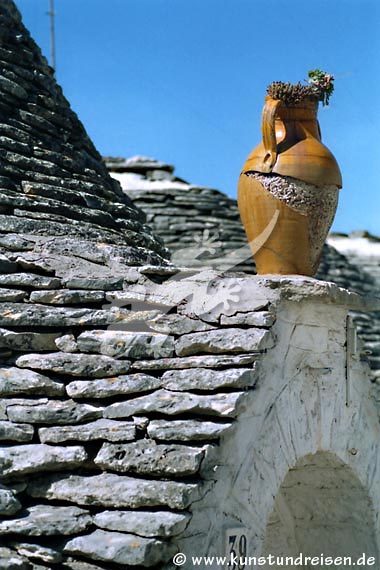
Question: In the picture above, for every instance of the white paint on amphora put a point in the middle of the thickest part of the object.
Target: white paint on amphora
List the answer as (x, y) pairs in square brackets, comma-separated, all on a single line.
[(296, 418)]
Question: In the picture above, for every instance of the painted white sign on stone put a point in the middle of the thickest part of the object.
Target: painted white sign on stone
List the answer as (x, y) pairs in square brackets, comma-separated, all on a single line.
[(236, 548)]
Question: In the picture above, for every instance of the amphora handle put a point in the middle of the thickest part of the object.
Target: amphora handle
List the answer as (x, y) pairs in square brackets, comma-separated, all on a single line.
[(269, 134)]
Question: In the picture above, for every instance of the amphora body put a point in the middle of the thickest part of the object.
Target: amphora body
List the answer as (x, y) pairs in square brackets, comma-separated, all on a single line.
[(288, 190)]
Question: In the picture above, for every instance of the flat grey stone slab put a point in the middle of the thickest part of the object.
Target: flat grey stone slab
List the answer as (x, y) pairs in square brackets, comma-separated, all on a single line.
[(206, 379), (9, 504), (136, 163), (102, 284), (15, 242), (178, 324), (123, 344), (10, 560), (66, 343), (83, 232), (146, 457), (27, 341), (48, 520), (75, 564), (174, 403), (225, 341), (12, 295), (109, 430), (38, 315), (131, 321), (14, 381), (108, 387), (75, 364), (204, 361), (34, 262), (186, 430), (38, 552), (167, 295), (15, 432), (13, 88), (143, 523), (254, 319), (32, 458), (121, 548), (66, 297), (52, 412), (116, 491), (6, 403), (30, 280), (216, 295)]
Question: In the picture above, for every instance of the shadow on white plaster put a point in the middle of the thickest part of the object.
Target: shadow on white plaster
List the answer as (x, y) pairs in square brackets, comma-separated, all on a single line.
[(321, 508)]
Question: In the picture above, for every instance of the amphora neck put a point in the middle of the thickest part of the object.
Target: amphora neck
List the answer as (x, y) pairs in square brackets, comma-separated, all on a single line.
[(305, 110)]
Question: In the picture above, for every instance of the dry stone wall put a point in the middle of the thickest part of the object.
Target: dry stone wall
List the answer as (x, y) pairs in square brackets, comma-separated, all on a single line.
[(118, 416), (115, 395)]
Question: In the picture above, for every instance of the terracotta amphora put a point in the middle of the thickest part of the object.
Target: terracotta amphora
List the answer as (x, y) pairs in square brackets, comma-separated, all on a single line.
[(288, 190)]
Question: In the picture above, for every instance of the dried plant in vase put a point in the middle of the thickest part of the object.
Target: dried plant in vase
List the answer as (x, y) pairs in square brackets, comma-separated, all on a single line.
[(320, 86)]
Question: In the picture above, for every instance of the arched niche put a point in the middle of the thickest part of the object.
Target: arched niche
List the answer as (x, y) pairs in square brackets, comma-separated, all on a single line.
[(321, 508)]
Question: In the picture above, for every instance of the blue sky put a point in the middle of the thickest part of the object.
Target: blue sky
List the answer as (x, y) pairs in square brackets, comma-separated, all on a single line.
[(184, 81)]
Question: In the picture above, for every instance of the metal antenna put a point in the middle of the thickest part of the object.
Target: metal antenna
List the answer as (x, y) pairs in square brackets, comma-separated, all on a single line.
[(52, 33)]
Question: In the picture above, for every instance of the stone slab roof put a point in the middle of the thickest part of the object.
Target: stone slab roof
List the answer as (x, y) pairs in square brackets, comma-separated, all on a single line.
[(200, 226), (361, 248), (56, 195)]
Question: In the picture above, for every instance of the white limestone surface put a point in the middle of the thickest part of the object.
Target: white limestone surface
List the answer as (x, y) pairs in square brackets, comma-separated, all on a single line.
[(299, 471)]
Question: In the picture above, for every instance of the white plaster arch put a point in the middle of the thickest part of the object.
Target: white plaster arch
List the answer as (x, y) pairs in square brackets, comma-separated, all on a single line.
[(305, 406), (321, 508)]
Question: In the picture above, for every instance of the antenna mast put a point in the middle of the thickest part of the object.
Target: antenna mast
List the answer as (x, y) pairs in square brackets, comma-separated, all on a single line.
[(52, 32)]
